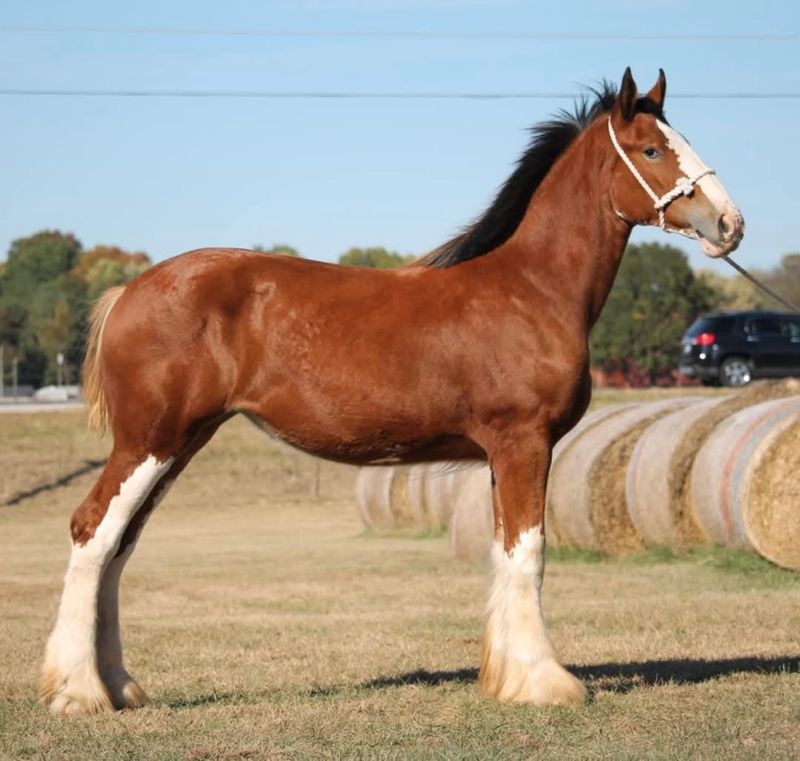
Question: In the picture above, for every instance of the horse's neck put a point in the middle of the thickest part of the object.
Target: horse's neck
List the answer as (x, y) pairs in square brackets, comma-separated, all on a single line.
[(570, 233)]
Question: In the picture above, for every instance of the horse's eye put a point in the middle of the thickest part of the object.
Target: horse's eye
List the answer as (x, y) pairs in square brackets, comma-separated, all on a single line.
[(651, 153)]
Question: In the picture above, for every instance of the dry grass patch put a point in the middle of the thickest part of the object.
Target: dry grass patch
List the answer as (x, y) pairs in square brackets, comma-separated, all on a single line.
[(265, 624)]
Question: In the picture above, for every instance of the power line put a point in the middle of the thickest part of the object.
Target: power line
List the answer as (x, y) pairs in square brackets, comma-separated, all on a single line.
[(355, 95), (409, 35)]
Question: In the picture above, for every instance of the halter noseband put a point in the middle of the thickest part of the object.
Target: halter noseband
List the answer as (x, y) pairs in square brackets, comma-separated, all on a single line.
[(684, 186)]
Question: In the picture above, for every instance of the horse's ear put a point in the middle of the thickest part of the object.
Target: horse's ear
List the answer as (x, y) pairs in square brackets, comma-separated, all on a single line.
[(659, 90), (626, 99)]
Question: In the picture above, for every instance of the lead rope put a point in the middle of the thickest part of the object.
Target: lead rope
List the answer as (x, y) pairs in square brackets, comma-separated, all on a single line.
[(755, 281), (683, 187)]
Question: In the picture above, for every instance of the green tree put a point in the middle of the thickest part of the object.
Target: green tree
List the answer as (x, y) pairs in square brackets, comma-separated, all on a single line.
[(105, 273), (785, 281), (279, 248), (55, 325), (46, 289), (654, 299), (32, 263), (733, 292), (374, 257)]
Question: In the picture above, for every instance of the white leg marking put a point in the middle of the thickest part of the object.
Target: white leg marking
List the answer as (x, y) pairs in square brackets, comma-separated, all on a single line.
[(519, 662), (124, 690), (70, 674)]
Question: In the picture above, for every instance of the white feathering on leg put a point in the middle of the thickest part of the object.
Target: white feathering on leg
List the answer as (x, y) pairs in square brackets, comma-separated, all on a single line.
[(519, 662), (70, 673)]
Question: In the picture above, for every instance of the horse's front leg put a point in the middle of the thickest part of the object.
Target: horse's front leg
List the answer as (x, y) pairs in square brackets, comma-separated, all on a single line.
[(518, 661)]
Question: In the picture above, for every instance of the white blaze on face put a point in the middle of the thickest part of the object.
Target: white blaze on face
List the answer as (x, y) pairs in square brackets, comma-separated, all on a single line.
[(691, 165)]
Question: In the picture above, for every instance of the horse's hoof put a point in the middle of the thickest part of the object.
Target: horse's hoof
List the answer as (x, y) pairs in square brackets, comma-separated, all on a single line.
[(123, 689), (133, 696), (545, 683), (74, 696)]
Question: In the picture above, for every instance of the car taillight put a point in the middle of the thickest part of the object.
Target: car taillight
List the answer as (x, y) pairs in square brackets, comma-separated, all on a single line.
[(704, 339)]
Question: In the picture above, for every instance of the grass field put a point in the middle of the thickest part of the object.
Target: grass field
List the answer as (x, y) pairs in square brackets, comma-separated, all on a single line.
[(264, 623)]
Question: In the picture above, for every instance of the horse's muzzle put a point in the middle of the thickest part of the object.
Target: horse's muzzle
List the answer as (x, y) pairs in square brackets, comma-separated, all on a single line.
[(730, 230)]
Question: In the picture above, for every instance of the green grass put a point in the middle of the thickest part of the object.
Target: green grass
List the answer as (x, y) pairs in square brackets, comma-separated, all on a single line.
[(265, 624)]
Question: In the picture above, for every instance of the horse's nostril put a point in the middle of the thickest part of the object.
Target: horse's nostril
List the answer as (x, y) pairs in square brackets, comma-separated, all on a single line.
[(725, 226)]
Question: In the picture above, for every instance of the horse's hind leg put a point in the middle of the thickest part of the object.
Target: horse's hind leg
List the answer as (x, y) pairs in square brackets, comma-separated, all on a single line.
[(70, 679), (122, 688), (83, 670)]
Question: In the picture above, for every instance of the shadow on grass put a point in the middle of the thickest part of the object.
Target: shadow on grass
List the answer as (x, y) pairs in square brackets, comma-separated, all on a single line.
[(87, 467), (604, 677)]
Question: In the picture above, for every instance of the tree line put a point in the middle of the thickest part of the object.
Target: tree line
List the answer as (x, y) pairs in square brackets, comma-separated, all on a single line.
[(49, 281)]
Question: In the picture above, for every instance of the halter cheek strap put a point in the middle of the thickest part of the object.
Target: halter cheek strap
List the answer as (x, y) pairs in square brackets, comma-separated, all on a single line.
[(683, 187)]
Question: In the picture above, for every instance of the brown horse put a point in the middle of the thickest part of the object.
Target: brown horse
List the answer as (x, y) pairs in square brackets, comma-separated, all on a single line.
[(478, 350)]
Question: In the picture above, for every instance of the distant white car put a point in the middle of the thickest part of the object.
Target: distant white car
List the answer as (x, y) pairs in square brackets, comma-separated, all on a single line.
[(53, 394)]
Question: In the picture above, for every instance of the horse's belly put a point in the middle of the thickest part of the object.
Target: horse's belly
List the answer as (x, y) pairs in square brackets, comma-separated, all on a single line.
[(376, 448)]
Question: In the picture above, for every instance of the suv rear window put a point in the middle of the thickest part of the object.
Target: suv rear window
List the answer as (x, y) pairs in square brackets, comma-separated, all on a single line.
[(710, 325)]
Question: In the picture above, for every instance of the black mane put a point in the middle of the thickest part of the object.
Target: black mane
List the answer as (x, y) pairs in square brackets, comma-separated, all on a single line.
[(496, 225)]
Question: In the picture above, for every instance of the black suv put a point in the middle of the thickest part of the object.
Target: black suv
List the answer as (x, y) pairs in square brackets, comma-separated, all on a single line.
[(732, 348)]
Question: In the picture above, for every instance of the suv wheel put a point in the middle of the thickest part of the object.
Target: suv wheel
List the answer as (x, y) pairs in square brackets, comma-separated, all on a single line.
[(735, 371)]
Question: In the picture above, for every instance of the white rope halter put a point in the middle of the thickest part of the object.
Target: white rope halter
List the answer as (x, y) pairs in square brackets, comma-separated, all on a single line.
[(683, 187)]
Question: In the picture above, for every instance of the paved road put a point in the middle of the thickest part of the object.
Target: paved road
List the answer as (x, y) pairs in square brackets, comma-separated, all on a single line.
[(17, 407)]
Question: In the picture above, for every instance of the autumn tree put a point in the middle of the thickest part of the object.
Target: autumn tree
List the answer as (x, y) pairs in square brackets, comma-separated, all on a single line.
[(102, 267)]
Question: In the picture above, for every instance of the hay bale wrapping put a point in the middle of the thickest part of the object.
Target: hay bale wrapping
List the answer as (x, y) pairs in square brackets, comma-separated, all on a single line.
[(688, 527), (735, 505)]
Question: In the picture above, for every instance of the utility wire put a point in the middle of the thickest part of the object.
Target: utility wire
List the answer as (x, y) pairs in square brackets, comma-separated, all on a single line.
[(410, 35), (355, 95)]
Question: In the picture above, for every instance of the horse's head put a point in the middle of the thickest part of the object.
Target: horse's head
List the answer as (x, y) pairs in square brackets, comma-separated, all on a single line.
[(659, 180)]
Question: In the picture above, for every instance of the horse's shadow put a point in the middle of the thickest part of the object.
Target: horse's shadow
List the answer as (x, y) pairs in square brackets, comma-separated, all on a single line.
[(602, 677), (607, 677)]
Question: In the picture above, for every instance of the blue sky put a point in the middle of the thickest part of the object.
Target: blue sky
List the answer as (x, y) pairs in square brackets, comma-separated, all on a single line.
[(165, 175)]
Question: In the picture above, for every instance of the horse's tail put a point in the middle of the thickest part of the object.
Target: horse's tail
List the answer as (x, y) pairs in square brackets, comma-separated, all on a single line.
[(92, 367)]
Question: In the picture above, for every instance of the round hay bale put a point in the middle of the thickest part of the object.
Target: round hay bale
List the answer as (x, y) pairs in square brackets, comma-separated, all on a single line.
[(688, 528), (772, 520), (471, 527), (656, 473), (373, 497), (415, 494), (399, 504), (737, 506), (588, 421), (587, 482), (437, 487)]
